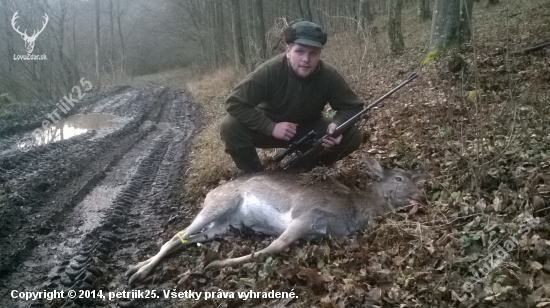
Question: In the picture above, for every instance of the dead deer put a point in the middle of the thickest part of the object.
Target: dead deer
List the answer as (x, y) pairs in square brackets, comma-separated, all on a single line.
[(275, 204)]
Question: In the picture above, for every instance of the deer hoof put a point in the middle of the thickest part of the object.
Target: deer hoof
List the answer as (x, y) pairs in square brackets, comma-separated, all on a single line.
[(213, 265)]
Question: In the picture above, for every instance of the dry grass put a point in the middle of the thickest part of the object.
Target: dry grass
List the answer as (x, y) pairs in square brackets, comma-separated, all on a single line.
[(208, 162), (211, 90)]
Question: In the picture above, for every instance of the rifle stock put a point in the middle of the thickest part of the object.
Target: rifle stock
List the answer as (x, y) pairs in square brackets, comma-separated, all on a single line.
[(337, 132)]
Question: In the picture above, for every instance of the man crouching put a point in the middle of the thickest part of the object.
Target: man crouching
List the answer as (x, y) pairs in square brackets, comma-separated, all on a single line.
[(283, 100)]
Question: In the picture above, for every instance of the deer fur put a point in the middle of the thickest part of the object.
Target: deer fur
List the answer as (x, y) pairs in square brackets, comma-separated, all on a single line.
[(274, 203)]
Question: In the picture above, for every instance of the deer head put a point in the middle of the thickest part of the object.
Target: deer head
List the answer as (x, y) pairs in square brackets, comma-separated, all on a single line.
[(29, 40)]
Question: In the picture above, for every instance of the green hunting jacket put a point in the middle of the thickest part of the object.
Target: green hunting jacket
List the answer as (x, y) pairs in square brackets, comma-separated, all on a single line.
[(273, 94)]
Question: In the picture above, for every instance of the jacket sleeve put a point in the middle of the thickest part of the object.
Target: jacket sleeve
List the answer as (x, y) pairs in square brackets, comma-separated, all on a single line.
[(241, 103), (343, 99)]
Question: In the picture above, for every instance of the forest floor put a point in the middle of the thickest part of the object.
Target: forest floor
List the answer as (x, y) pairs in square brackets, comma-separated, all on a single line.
[(76, 213), (481, 130)]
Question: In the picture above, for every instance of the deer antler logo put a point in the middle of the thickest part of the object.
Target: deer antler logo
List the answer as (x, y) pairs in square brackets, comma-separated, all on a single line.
[(29, 40)]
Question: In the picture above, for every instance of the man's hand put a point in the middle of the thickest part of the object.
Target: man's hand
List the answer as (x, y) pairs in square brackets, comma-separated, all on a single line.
[(330, 142), (284, 130)]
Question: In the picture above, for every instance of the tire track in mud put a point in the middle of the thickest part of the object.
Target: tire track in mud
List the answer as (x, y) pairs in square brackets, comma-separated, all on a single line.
[(50, 179), (130, 180)]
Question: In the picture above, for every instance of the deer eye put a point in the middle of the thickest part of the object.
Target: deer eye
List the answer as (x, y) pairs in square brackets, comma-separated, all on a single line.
[(398, 179)]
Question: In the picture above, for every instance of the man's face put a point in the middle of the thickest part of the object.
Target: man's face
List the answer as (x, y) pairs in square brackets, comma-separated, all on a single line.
[(303, 59)]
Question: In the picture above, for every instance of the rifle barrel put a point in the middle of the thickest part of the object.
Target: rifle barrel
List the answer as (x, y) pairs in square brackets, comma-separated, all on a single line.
[(339, 130), (353, 119)]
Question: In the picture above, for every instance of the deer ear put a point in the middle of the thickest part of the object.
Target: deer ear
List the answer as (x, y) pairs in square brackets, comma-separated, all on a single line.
[(419, 179), (373, 166)]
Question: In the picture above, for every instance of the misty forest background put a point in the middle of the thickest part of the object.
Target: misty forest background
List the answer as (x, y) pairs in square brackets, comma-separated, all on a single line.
[(108, 41)]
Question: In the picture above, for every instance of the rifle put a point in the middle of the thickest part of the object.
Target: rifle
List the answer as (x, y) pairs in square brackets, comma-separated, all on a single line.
[(295, 147)]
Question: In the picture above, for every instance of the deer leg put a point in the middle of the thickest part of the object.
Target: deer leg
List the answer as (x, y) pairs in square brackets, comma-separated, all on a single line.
[(296, 230), (220, 223), (141, 270)]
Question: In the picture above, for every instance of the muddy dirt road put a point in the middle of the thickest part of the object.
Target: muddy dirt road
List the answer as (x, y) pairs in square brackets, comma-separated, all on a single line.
[(96, 194)]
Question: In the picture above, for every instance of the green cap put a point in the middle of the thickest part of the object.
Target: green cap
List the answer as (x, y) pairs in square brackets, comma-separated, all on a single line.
[(307, 33)]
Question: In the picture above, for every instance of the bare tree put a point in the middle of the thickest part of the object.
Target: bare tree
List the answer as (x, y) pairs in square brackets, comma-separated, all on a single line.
[(8, 33), (97, 43), (75, 57), (395, 35), (260, 29), (60, 43), (219, 33), (451, 23), (364, 13), (59, 17), (120, 13), (424, 9), (237, 32), (112, 37), (307, 10)]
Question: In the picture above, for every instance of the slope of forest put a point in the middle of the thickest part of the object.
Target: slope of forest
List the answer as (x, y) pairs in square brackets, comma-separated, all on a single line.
[(476, 120), (481, 131)]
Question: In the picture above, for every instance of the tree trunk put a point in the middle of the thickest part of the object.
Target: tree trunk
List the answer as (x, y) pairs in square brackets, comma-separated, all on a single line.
[(75, 58), (217, 48), (360, 16), (221, 33), (286, 9), (301, 9), (210, 24), (395, 35), (424, 9), (122, 48), (10, 49), (249, 33), (451, 23), (307, 11), (260, 29), (237, 33), (365, 14), (60, 40), (317, 14), (112, 32), (97, 43)]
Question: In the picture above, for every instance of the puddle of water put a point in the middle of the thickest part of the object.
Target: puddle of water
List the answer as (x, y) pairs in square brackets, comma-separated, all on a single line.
[(75, 125)]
